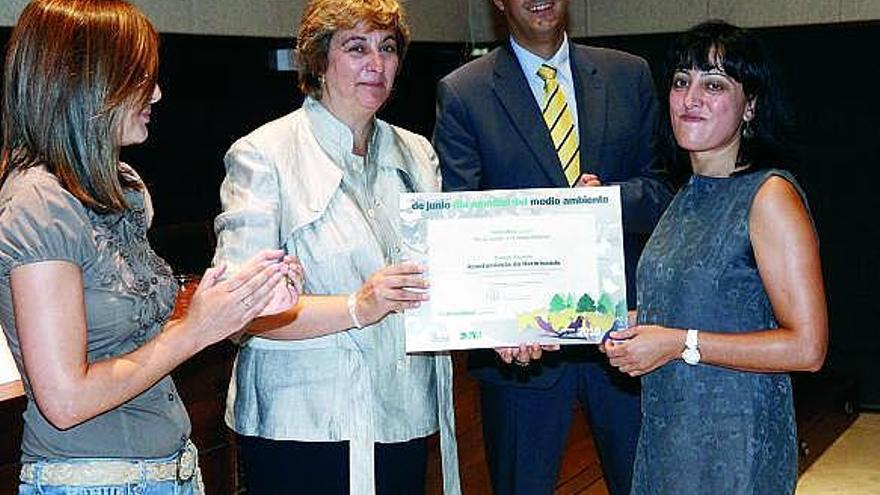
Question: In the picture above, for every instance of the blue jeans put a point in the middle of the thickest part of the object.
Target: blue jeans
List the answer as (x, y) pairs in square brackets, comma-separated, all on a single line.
[(142, 488), (193, 486)]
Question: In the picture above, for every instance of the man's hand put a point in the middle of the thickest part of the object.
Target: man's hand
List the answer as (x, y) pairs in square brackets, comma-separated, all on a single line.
[(525, 353), (588, 180)]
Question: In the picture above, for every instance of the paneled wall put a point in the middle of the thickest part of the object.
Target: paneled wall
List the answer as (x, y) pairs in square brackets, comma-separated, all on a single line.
[(476, 20), (614, 17)]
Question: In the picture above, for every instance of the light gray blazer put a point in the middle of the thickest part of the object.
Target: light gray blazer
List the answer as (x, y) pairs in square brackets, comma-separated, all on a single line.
[(283, 188)]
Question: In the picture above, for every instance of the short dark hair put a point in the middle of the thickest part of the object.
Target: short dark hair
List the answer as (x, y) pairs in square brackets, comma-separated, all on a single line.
[(73, 69), (742, 56), (322, 18)]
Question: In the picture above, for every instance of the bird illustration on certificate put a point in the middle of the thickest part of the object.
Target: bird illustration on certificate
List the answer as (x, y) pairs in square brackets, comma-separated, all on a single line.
[(515, 266)]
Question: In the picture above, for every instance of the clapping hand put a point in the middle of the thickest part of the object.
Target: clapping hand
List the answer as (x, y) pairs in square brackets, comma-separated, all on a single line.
[(221, 307), (286, 295)]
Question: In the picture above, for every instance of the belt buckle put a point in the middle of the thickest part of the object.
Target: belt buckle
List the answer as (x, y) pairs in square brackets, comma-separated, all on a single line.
[(186, 464)]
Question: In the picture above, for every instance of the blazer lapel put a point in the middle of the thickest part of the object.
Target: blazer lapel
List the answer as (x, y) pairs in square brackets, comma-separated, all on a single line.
[(513, 91), (591, 94)]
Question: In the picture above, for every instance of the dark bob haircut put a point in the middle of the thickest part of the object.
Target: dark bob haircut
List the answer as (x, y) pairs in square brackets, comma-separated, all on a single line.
[(739, 54)]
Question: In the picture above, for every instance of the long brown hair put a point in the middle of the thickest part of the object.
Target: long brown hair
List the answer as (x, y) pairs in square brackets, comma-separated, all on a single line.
[(73, 70)]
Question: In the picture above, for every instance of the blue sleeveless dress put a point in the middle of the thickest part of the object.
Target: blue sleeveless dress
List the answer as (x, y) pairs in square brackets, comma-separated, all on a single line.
[(707, 429)]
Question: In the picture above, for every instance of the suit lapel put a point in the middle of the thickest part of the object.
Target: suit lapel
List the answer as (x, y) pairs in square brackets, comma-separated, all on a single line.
[(591, 94), (513, 91)]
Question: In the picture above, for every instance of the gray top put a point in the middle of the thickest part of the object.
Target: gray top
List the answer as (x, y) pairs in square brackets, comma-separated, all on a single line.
[(129, 294)]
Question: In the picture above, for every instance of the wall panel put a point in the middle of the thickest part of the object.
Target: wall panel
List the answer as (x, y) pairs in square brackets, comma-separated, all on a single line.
[(438, 21), (776, 13), (476, 20), (637, 16), (9, 10), (856, 10), (170, 17), (251, 18)]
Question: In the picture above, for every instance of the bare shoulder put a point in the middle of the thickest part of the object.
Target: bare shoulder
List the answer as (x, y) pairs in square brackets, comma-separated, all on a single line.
[(778, 209), (776, 194)]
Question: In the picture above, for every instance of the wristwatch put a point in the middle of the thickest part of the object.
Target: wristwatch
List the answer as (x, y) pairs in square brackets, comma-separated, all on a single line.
[(691, 352)]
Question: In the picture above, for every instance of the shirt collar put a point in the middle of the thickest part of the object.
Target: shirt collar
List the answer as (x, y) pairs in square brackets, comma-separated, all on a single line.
[(530, 62), (332, 135), (337, 140)]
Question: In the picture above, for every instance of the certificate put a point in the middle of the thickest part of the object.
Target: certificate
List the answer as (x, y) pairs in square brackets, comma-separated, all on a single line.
[(516, 266)]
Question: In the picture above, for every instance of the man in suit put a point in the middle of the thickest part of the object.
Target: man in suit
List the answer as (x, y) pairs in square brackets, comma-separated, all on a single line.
[(501, 125)]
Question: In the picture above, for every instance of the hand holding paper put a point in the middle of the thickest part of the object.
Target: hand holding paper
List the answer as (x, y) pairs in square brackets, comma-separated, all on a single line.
[(392, 289)]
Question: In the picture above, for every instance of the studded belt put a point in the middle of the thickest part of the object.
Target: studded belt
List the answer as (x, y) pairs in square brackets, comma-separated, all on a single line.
[(182, 468)]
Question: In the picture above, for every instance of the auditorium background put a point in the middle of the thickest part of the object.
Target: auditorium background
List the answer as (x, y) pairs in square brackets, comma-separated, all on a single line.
[(224, 71)]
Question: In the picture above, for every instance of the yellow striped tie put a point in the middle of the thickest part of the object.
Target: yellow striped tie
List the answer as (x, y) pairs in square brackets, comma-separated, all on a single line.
[(557, 116)]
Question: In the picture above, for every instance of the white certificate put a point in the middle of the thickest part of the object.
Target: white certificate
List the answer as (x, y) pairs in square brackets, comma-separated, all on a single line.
[(519, 266)]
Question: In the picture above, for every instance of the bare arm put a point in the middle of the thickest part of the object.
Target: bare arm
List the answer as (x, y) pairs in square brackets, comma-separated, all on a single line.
[(50, 318), (384, 292), (787, 255)]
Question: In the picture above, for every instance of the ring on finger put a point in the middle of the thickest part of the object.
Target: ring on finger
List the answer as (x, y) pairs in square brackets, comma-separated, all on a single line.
[(521, 364), (246, 302)]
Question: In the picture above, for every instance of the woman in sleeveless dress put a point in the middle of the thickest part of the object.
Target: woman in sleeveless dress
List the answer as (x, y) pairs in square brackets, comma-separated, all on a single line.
[(730, 286)]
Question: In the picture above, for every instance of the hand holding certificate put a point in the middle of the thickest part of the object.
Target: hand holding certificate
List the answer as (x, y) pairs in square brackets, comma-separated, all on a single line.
[(511, 267), (392, 289)]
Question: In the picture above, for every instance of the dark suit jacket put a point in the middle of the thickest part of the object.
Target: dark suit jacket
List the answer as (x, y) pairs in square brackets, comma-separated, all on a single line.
[(490, 135)]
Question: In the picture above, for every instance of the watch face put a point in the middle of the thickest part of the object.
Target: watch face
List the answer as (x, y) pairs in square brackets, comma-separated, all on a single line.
[(691, 356)]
